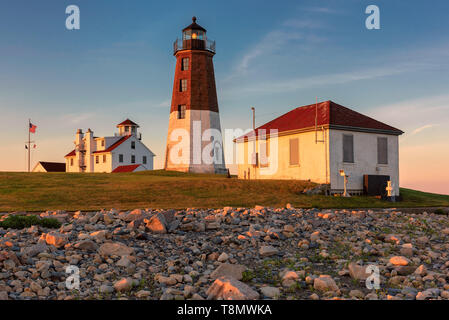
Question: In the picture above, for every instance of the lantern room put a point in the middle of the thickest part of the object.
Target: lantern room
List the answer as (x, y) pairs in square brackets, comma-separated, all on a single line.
[(194, 38)]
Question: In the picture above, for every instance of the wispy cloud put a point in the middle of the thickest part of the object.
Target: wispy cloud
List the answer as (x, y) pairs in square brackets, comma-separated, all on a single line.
[(427, 126)]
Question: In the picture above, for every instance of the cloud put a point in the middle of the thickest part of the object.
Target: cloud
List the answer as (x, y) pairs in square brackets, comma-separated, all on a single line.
[(427, 126), (76, 118)]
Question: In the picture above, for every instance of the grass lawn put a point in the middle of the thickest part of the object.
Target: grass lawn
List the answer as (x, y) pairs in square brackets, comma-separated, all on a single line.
[(161, 189)]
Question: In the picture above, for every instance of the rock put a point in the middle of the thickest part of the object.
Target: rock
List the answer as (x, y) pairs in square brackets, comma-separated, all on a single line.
[(133, 215), (86, 245), (407, 250), (315, 236), (143, 294), (3, 295), (421, 270), (99, 236), (356, 294), (399, 261), (223, 257), (170, 281), (314, 296), (325, 283), (55, 239), (270, 292), (266, 251), (124, 262), (357, 272), (227, 288), (34, 250), (229, 270), (428, 294), (289, 275), (157, 224), (115, 248), (124, 284), (106, 289)]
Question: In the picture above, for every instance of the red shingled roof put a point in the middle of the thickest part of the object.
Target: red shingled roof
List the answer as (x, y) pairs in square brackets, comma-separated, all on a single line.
[(129, 168), (114, 145), (329, 114), (127, 122), (70, 154)]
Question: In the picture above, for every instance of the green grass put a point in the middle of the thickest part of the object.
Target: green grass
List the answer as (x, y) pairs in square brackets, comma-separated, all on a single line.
[(161, 189)]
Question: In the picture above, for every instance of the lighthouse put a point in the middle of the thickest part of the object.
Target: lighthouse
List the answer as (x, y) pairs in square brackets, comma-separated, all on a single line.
[(194, 142)]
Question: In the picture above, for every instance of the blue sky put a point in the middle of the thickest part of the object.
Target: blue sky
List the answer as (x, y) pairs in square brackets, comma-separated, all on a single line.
[(271, 55)]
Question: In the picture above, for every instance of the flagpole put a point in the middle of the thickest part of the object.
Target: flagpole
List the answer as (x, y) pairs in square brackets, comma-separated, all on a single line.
[(29, 139)]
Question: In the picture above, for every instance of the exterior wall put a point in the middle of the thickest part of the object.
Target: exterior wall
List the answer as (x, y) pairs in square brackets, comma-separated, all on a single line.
[(39, 168), (365, 159), (313, 158), (112, 161), (204, 120), (200, 100), (68, 167)]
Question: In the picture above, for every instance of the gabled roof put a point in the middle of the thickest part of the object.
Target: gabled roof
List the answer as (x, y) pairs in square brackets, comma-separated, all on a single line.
[(114, 145), (327, 113), (53, 166), (127, 122), (129, 168), (70, 154)]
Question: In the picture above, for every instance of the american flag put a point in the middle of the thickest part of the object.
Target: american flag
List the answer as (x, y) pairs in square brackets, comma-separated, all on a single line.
[(32, 128)]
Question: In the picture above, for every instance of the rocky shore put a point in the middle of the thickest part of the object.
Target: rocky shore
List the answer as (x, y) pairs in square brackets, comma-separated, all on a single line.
[(229, 253)]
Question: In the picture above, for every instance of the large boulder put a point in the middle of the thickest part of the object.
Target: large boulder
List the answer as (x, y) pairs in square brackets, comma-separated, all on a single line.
[(55, 239), (325, 283), (227, 288), (115, 248), (358, 272), (229, 270), (157, 224)]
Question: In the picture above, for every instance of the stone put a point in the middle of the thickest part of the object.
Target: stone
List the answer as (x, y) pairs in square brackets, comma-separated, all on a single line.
[(407, 250), (99, 235), (4, 295), (143, 294), (34, 250), (289, 275), (315, 236), (223, 257), (266, 251), (106, 289), (157, 224), (399, 261), (227, 288), (356, 294), (357, 272), (325, 283), (124, 284), (115, 248), (86, 245), (55, 239), (229, 270), (421, 270), (270, 292), (124, 262), (133, 215)]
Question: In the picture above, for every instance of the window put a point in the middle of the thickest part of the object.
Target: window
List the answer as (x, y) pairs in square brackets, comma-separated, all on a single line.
[(104, 158), (120, 158), (71, 162), (185, 64), (97, 159), (144, 160), (348, 148), (102, 143), (264, 153), (294, 152), (133, 159), (133, 144), (183, 85), (181, 111), (382, 150)]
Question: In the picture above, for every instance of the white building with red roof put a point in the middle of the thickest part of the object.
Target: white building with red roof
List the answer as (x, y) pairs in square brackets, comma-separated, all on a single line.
[(317, 141), (123, 152)]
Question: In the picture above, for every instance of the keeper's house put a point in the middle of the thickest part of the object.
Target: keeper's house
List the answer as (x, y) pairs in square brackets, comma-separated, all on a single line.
[(123, 152), (315, 142)]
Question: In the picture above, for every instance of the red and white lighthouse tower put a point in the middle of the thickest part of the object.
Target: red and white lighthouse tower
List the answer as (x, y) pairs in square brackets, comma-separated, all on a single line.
[(194, 142)]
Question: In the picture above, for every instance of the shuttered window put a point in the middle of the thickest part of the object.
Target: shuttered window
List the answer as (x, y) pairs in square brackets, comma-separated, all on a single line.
[(183, 85), (348, 148), (181, 111), (294, 152), (382, 150)]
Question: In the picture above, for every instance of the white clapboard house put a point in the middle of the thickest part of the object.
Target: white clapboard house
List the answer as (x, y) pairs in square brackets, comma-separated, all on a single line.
[(123, 152)]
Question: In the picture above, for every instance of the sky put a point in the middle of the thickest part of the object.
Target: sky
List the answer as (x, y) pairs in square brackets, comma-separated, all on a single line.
[(273, 55)]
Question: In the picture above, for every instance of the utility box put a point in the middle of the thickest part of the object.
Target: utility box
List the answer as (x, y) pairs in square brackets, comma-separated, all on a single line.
[(375, 185)]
